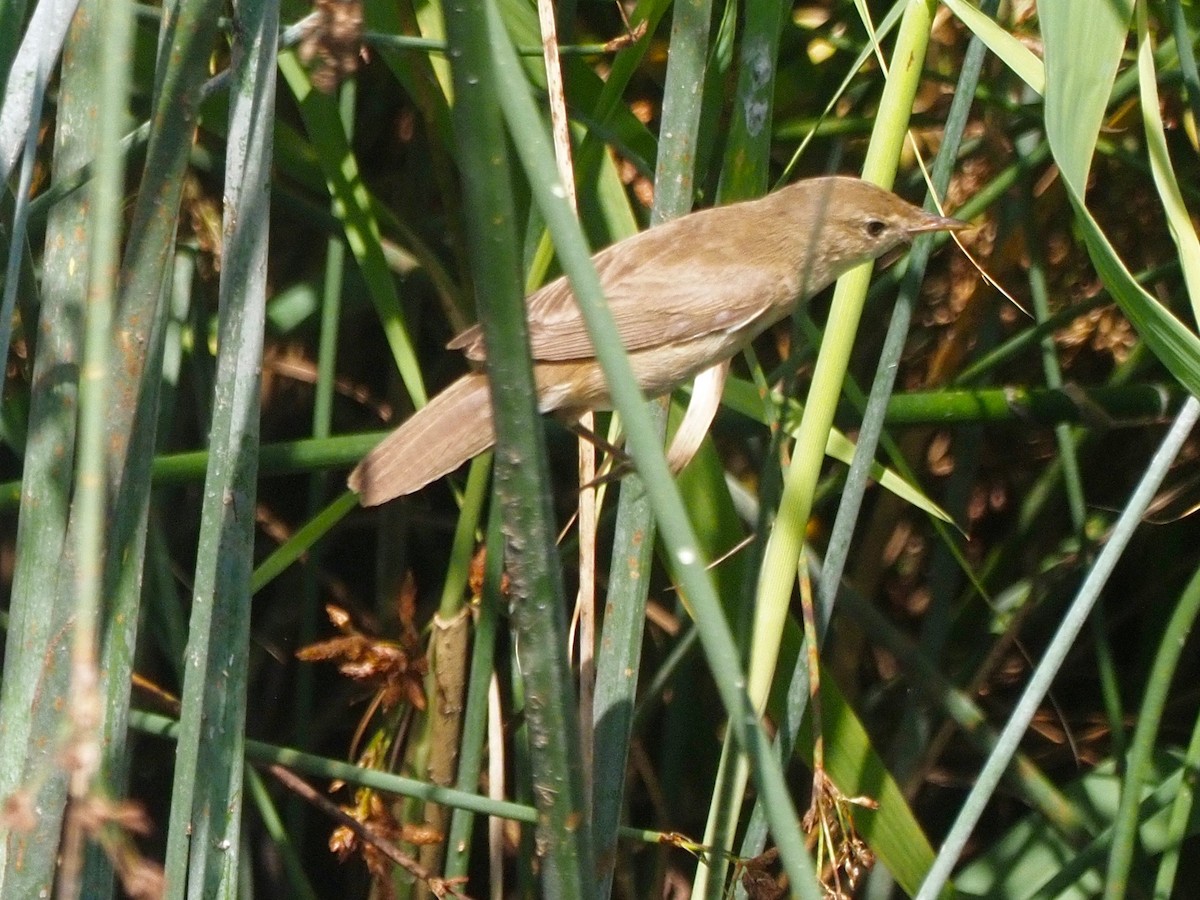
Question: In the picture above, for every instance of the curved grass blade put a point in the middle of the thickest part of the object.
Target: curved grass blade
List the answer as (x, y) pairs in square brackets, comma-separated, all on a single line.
[(1019, 58), (1140, 761), (1076, 97), (1183, 232)]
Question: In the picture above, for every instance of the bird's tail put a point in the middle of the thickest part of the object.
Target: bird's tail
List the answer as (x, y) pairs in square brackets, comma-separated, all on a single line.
[(453, 427)]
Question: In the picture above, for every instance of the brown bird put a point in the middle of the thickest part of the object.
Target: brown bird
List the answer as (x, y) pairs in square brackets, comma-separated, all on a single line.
[(686, 296)]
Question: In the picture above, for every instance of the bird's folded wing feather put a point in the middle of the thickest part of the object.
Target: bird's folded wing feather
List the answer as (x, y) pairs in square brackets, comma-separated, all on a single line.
[(652, 300)]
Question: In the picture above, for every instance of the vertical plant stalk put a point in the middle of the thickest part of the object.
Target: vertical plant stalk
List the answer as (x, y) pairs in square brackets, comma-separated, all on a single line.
[(456, 688), (564, 830), (480, 673), (873, 421), (454, 721), (36, 655), (88, 753), (585, 600), (634, 536), (678, 535), (782, 552), (137, 351), (449, 647), (203, 843), (783, 547)]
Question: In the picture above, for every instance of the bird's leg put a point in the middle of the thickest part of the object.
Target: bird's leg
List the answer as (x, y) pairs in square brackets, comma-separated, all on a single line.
[(702, 407), (622, 464), (595, 440)]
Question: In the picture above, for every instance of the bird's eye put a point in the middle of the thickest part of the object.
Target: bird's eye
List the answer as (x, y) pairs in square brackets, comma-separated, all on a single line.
[(875, 227)]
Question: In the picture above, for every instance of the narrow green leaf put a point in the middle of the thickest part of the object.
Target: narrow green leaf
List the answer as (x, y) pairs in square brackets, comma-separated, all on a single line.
[(1019, 58), (742, 396), (1182, 230), (204, 840), (353, 203)]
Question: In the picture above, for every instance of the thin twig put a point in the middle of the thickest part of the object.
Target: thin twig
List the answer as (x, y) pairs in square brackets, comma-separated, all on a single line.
[(301, 788)]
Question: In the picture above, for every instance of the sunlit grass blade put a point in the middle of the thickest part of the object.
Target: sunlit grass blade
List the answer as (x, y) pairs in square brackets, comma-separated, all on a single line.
[(1182, 229), (784, 544), (1019, 58), (1076, 97)]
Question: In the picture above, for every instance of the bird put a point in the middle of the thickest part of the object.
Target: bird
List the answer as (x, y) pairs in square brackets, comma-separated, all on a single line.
[(686, 296)]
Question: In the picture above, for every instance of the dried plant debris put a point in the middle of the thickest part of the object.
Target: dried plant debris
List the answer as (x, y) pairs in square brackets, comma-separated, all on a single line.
[(372, 813), (332, 46), (396, 669), (843, 858)]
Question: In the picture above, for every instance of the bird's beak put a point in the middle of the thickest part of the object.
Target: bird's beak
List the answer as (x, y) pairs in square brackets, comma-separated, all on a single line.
[(939, 223)]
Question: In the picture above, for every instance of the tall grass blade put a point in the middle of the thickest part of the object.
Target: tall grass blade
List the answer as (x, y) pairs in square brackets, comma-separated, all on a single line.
[(619, 659), (784, 545), (1052, 659), (36, 657), (104, 639), (1076, 97), (677, 533), (564, 831), (204, 840)]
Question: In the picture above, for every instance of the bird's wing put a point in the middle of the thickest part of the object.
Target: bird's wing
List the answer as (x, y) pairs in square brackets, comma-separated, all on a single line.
[(653, 300)]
